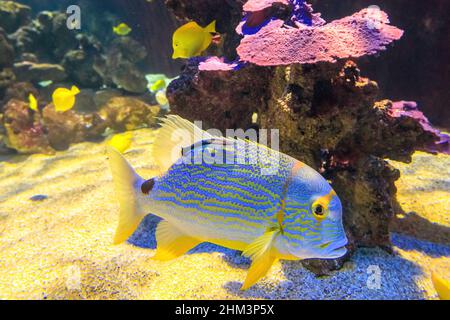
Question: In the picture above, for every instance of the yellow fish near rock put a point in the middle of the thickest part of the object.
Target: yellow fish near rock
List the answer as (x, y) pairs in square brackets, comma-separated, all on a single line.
[(122, 29), (64, 99), (190, 40), (442, 286), (33, 102), (121, 142)]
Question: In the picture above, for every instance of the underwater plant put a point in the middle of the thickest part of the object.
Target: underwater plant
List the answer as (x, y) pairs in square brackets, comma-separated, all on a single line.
[(292, 69)]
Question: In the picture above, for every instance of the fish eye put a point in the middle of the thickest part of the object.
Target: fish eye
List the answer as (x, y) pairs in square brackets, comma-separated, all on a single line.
[(319, 210)]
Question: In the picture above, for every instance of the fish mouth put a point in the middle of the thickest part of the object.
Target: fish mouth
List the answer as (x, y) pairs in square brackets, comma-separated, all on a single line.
[(338, 250)]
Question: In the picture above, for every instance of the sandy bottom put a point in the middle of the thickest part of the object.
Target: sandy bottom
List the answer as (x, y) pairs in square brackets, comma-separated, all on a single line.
[(60, 247)]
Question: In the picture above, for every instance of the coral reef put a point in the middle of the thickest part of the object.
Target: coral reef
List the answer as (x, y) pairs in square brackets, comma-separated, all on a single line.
[(24, 129), (39, 53), (329, 116)]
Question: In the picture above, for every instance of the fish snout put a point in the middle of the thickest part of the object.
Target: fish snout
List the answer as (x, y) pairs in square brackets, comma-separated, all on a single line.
[(335, 249)]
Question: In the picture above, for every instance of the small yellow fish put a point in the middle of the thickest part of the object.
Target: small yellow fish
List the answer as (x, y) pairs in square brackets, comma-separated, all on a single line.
[(442, 286), (121, 142), (64, 99), (161, 98), (158, 85), (122, 29), (33, 102), (190, 40)]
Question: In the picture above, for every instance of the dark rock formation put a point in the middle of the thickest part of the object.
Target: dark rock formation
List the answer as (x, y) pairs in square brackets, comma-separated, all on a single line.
[(222, 99), (13, 15), (122, 113), (65, 128), (119, 65), (6, 51), (36, 72)]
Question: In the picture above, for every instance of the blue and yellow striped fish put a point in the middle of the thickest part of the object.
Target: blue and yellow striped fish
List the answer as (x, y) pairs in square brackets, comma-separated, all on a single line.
[(231, 192)]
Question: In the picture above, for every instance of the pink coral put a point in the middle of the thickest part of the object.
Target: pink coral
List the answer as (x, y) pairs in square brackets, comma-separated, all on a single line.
[(217, 64), (361, 34), (258, 5)]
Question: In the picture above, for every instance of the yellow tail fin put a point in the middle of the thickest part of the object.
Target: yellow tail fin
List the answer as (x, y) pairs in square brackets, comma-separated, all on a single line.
[(126, 184)]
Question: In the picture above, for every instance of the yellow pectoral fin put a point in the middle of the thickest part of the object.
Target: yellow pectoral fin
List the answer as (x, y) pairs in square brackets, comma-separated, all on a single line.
[(171, 242), (263, 256)]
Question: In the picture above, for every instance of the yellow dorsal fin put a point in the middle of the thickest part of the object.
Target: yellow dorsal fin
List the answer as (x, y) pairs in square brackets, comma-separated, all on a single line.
[(262, 254), (175, 134), (74, 90), (171, 242), (211, 28)]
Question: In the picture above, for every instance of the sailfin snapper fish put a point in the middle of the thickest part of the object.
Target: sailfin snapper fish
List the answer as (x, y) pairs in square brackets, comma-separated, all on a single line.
[(122, 29), (33, 102), (271, 207), (64, 99), (190, 40)]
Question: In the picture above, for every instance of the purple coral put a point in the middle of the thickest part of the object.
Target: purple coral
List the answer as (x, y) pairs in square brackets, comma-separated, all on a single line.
[(354, 36)]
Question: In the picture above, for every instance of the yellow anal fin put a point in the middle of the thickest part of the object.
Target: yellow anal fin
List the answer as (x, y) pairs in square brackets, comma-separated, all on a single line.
[(258, 269), (442, 286), (263, 257), (171, 242)]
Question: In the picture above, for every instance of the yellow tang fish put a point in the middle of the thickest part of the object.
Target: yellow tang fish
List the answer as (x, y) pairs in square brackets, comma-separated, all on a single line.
[(122, 29), (121, 142), (442, 286), (231, 192), (190, 40), (64, 99), (33, 102)]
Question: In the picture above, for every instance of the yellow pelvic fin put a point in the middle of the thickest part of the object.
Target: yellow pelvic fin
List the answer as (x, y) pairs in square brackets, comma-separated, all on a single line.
[(442, 286), (263, 257), (171, 242)]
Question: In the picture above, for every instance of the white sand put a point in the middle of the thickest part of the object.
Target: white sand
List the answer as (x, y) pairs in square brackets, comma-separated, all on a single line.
[(61, 247)]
